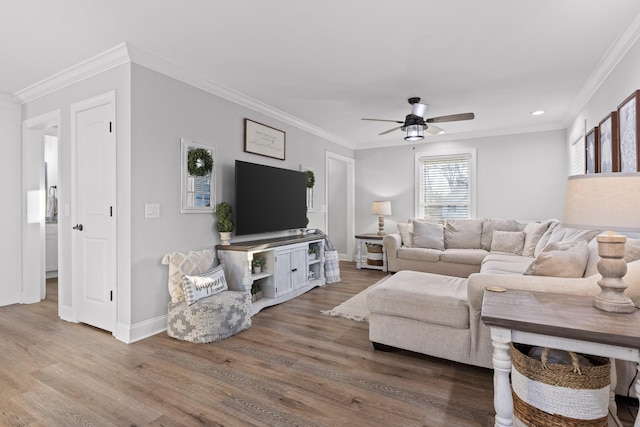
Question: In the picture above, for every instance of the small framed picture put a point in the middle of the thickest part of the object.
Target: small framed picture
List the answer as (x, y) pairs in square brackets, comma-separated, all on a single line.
[(263, 140), (591, 143), (629, 130), (609, 144)]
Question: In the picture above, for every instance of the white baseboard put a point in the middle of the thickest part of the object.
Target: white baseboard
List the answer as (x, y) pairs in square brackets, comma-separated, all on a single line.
[(139, 331)]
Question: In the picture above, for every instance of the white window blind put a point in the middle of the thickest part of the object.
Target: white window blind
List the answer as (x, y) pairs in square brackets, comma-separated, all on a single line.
[(444, 188), (577, 156)]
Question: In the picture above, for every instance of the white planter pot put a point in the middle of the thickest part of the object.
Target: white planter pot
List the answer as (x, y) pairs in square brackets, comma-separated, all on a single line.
[(225, 236), (257, 270)]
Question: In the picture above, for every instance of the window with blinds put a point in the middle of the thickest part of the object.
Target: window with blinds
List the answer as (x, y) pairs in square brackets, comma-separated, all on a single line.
[(444, 186), (577, 156)]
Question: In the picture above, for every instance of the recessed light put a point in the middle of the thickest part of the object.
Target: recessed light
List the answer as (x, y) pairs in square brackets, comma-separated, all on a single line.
[(537, 113)]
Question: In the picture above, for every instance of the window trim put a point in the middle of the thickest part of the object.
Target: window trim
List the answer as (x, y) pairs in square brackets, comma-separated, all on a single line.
[(473, 182)]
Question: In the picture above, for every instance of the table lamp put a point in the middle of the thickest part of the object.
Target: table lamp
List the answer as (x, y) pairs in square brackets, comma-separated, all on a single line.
[(608, 202), (381, 209)]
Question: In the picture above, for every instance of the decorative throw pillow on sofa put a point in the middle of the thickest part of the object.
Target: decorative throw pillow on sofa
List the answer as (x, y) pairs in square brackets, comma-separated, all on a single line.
[(497, 224), (406, 233), (561, 259), (533, 232), (203, 285), (428, 235), (510, 242)]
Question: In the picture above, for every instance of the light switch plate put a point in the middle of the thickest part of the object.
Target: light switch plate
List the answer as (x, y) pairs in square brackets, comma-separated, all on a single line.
[(151, 210)]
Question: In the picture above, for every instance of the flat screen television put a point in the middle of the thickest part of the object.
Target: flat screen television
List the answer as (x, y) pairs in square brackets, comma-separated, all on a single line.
[(269, 199)]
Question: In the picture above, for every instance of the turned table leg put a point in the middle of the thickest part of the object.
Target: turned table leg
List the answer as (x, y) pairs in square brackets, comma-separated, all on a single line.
[(502, 399)]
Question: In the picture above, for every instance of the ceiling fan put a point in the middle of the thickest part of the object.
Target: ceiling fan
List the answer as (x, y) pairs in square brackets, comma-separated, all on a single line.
[(415, 123)]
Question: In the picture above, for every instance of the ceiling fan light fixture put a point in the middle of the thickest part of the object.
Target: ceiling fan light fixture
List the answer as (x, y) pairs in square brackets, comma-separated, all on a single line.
[(414, 133)]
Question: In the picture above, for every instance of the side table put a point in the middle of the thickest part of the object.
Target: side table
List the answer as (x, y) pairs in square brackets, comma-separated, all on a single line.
[(565, 322), (362, 254)]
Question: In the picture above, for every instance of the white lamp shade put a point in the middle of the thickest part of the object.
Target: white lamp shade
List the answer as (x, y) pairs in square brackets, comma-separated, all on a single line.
[(607, 202), (381, 208)]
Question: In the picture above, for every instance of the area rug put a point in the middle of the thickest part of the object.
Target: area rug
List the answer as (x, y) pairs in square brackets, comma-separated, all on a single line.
[(355, 308)]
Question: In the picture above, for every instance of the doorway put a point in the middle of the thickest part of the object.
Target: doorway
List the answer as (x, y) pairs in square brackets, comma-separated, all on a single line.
[(34, 186), (340, 176)]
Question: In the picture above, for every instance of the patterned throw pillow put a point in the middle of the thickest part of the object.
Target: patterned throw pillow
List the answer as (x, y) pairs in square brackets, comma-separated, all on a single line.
[(191, 263), (511, 242), (204, 285)]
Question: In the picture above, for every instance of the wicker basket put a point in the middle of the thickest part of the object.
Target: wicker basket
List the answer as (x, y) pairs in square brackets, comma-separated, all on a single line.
[(554, 395), (374, 254)]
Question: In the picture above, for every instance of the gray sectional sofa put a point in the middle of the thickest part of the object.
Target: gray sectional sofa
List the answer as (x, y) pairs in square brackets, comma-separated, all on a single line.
[(432, 305)]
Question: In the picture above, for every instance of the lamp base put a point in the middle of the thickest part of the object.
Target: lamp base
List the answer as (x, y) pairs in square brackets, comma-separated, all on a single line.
[(381, 225), (613, 268)]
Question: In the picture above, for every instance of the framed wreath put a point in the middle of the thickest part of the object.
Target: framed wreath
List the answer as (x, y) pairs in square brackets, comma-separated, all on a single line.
[(199, 162), (198, 177)]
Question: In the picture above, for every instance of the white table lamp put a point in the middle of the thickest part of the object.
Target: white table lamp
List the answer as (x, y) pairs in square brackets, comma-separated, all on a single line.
[(381, 209), (609, 202)]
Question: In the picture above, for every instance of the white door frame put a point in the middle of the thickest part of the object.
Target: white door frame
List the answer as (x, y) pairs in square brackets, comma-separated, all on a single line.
[(350, 188), (33, 287), (96, 101)]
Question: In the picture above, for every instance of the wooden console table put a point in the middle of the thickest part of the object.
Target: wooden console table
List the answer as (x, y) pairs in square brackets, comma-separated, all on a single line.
[(565, 322)]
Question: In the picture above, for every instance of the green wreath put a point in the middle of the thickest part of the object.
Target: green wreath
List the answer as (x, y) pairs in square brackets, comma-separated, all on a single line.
[(311, 179), (199, 162)]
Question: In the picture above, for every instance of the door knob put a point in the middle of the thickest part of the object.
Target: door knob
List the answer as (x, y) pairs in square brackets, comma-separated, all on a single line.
[(78, 227)]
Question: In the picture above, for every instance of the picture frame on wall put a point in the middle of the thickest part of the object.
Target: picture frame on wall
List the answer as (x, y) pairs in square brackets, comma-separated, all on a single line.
[(609, 152), (198, 177), (591, 143), (264, 140), (629, 131)]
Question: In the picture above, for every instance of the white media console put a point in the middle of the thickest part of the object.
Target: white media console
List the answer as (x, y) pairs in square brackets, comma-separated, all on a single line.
[(290, 268)]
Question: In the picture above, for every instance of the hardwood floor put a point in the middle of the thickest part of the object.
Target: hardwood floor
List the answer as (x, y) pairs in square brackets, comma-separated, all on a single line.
[(294, 366)]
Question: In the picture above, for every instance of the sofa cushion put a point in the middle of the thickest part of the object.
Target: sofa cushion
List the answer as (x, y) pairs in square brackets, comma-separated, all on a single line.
[(463, 234), (193, 262), (406, 233), (419, 254), (463, 256), (428, 235), (566, 234), (631, 250), (426, 297), (497, 224), (545, 237), (561, 259), (502, 263), (510, 242), (533, 233)]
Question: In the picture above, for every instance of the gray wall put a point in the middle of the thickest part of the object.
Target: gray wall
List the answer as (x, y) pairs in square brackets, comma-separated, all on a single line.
[(518, 176), (163, 111)]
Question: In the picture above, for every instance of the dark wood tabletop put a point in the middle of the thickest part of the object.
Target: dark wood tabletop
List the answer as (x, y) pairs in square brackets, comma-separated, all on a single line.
[(566, 316)]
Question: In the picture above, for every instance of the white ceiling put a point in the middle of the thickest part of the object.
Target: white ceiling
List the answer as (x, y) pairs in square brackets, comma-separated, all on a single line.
[(331, 63)]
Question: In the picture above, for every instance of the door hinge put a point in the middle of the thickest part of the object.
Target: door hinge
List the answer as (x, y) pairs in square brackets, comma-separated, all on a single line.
[(110, 210), (110, 295), (110, 127)]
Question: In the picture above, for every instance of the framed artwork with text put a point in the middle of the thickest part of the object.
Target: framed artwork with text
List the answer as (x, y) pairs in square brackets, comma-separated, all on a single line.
[(629, 129)]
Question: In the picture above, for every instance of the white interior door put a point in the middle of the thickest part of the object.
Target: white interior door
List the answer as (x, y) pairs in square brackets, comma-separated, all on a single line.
[(94, 145)]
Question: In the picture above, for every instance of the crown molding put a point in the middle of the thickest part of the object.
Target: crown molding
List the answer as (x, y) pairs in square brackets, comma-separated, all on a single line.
[(8, 102), (176, 72), (95, 65), (605, 67)]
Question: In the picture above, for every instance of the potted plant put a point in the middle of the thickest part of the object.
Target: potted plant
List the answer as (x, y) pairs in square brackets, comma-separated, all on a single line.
[(224, 225), (313, 252), (256, 292), (257, 263)]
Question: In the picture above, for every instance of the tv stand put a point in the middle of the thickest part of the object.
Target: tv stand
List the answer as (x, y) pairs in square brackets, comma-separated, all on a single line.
[(293, 266)]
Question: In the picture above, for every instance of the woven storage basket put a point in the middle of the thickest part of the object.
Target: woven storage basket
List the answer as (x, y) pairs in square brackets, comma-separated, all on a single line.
[(555, 395), (374, 254)]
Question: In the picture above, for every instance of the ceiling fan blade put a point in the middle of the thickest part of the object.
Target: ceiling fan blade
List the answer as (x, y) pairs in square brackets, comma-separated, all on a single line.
[(389, 131), (434, 130), (383, 120), (451, 118)]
